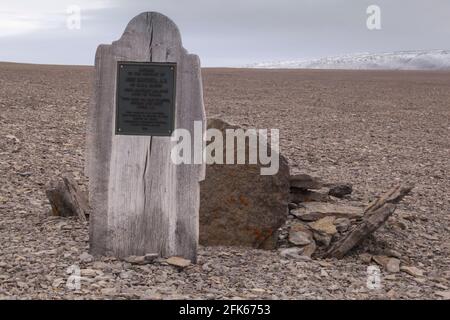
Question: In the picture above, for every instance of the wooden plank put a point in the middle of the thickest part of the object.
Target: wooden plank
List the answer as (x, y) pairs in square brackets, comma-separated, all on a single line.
[(141, 201)]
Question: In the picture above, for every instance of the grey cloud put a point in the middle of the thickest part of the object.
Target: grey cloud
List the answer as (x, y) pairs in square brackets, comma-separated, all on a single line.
[(232, 32)]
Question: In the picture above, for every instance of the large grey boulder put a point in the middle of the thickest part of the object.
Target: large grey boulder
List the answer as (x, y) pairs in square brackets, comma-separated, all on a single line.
[(238, 205)]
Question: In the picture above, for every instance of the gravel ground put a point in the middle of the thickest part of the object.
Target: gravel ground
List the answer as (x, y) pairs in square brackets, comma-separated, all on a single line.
[(368, 128)]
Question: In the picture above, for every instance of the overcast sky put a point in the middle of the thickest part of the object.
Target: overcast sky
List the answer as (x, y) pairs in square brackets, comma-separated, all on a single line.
[(225, 32)]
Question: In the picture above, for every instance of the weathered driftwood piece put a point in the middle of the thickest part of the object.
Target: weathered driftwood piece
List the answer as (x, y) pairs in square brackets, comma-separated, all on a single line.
[(395, 195), (374, 216), (66, 199), (141, 201)]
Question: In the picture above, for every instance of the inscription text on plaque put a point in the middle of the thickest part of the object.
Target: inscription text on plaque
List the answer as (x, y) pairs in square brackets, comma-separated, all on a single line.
[(145, 98)]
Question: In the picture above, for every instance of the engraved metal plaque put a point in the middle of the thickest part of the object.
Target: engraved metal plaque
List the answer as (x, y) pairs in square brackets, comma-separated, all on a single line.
[(145, 102)]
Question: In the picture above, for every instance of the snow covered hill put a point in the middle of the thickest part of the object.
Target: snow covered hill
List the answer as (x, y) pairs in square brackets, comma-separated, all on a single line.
[(404, 60)]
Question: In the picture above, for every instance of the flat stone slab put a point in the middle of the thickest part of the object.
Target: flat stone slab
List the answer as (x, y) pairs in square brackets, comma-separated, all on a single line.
[(178, 262), (312, 211), (302, 195), (305, 181), (325, 225)]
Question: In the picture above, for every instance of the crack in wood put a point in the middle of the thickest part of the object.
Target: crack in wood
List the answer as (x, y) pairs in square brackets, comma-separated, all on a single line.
[(150, 24)]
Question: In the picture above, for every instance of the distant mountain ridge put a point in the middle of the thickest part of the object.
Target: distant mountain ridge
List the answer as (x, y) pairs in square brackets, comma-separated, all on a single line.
[(402, 60)]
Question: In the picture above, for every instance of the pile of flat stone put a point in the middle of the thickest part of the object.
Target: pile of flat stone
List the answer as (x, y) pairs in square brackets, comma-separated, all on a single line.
[(315, 225), (320, 224), (305, 188), (315, 220)]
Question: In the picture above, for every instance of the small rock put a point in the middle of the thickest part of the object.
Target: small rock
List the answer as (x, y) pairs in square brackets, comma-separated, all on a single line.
[(342, 224), (443, 294), (393, 265), (323, 273), (392, 253), (325, 264), (86, 257), (340, 190), (420, 280), (178, 262), (365, 257), (325, 225), (430, 237), (292, 205), (101, 283), (126, 274), (381, 260), (136, 260), (322, 238), (90, 272), (100, 265), (47, 252), (334, 287), (415, 272), (309, 249), (150, 295), (391, 293), (57, 282), (109, 291), (304, 181), (300, 238), (294, 253), (25, 174), (390, 277), (12, 137), (400, 224), (441, 286), (206, 267), (151, 257)]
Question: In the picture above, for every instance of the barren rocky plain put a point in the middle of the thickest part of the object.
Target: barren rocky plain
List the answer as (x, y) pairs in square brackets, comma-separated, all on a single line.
[(369, 128)]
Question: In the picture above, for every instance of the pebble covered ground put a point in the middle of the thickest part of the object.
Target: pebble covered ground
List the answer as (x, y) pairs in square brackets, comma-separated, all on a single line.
[(371, 129)]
